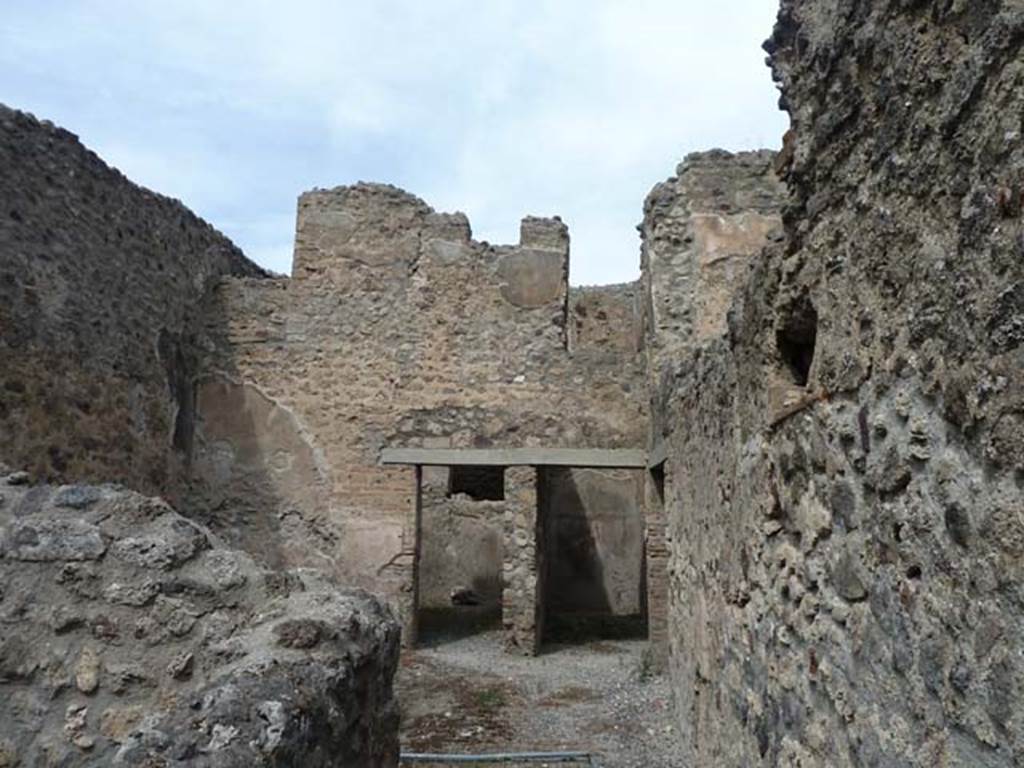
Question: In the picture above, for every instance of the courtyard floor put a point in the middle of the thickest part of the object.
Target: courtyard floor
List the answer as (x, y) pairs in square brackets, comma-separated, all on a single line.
[(467, 695)]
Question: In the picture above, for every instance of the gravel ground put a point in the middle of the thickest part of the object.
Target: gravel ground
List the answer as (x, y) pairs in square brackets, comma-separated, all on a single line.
[(469, 696)]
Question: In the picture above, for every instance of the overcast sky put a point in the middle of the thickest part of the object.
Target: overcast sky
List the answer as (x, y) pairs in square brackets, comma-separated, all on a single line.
[(498, 108)]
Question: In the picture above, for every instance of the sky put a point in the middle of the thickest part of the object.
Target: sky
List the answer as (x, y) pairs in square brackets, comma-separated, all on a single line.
[(497, 108)]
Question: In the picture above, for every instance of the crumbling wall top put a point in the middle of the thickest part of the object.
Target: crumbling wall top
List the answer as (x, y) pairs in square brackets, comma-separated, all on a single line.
[(548, 233), (702, 230), (343, 232)]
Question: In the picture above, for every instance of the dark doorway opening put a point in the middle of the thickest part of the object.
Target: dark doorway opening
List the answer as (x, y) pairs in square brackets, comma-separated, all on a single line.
[(592, 551), (459, 579), (479, 483), (658, 484)]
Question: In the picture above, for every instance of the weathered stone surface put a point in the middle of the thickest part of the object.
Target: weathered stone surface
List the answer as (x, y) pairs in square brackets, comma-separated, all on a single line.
[(100, 286), (522, 608), (42, 538), (701, 233), (87, 671), (77, 496), (144, 349), (837, 524), (169, 656), (538, 272), (841, 459), (299, 634), (165, 543)]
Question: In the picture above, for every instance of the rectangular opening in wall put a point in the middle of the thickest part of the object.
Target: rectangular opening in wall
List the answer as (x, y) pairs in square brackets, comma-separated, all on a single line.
[(478, 483), (658, 484), (795, 340), (461, 550), (592, 536)]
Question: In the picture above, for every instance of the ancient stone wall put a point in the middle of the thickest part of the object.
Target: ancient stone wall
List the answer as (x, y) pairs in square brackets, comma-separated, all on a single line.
[(398, 329), (702, 233), (100, 285), (131, 637), (843, 473), (701, 230)]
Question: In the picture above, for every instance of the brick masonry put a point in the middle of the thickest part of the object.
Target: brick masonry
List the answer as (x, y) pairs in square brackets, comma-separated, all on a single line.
[(398, 329)]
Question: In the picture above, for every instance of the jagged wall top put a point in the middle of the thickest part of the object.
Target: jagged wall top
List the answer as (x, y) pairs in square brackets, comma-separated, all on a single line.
[(344, 234), (703, 229)]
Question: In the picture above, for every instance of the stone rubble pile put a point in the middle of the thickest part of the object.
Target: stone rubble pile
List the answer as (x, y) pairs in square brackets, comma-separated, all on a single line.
[(128, 636)]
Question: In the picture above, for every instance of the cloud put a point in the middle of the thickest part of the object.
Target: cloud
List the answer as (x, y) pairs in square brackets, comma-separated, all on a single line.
[(499, 109)]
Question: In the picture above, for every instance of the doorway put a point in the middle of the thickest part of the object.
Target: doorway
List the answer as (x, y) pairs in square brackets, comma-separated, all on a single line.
[(460, 559), (592, 532)]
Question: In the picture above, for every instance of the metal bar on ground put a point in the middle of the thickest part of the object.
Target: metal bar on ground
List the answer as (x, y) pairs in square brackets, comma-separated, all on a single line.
[(499, 757)]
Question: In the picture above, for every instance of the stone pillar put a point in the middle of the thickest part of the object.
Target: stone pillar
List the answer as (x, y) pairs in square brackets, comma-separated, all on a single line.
[(412, 544), (656, 552), (520, 598)]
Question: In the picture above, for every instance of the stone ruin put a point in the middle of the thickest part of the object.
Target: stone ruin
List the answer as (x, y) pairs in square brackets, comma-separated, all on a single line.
[(129, 632), (791, 451)]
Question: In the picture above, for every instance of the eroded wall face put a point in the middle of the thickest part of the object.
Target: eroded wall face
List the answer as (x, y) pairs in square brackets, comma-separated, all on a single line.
[(100, 287), (702, 236), (701, 232), (844, 498), (132, 637), (398, 329)]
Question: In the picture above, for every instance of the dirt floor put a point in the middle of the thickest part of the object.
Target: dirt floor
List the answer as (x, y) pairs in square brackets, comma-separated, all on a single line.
[(468, 696)]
